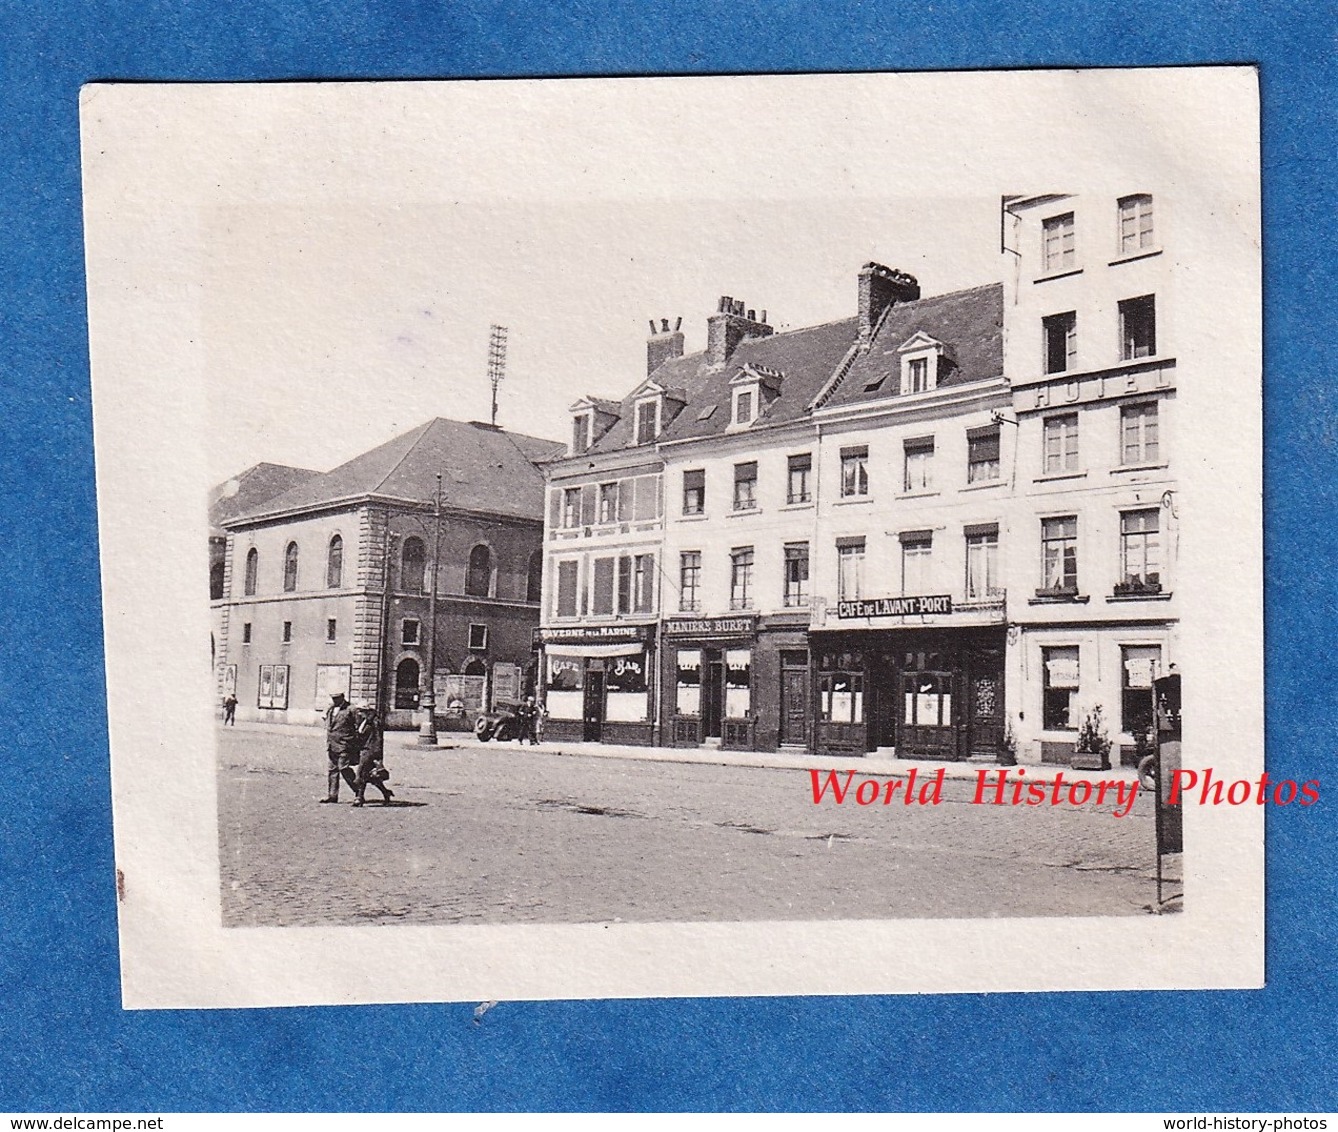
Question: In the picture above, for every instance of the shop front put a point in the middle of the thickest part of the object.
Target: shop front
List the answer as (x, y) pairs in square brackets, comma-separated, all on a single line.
[(924, 691), (596, 684), (708, 681)]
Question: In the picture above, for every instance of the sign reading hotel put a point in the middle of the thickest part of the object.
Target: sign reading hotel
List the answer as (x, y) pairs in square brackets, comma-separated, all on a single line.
[(895, 606)]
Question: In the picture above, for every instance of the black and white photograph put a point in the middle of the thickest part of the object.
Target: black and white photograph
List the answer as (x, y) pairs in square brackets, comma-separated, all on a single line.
[(706, 536)]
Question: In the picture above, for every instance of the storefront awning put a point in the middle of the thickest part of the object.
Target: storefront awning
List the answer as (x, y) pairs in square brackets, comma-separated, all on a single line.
[(632, 649)]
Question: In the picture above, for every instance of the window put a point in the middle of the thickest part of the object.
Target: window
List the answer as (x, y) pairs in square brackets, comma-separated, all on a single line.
[(246, 632), (252, 569), (919, 465), (478, 638), (841, 687), (334, 563), (745, 486), (982, 563), (406, 684), (741, 578), (290, 568), (738, 683), (1060, 332), (917, 554), (580, 433), (1138, 327), (796, 574), (478, 579), (571, 507), (608, 503), (413, 566), (982, 455), (1135, 223), (744, 400), (1057, 251), (854, 471), (689, 682), (1060, 673), (647, 421), (798, 489), (643, 583), (566, 588), (850, 569), (694, 492), (1140, 667), (917, 376), (1059, 555), (690, 582), (1140, 551), (287, 632), (409, 631), (1061, 444), (601, 597), (534, 580), (331, 630), (1138, 434)]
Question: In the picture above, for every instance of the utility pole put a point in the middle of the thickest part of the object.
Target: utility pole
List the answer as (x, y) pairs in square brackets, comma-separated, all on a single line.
[(496, 362), (427, 730)]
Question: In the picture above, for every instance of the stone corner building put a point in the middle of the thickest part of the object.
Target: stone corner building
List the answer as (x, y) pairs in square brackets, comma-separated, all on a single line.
[(304, 608)]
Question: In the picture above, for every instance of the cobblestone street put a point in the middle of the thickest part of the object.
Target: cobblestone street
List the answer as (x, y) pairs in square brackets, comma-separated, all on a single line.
[(501, 834)]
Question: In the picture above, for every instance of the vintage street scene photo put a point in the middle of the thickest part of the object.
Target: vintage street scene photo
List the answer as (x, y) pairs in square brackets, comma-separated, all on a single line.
[(725, 519)]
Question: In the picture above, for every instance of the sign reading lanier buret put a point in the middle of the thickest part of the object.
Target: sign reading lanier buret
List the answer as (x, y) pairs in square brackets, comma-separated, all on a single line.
[(895, 606)]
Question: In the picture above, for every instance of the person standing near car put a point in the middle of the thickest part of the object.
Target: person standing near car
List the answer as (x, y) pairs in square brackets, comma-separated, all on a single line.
[(527, 716)]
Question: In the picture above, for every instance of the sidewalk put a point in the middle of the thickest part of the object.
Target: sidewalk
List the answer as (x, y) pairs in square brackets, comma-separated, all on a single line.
[(776, 760)]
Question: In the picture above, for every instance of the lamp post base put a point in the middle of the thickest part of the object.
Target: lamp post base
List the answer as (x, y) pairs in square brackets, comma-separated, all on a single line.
[(427, 728)]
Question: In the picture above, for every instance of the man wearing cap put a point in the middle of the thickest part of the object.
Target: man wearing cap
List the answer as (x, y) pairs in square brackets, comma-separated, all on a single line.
[(341, 745)]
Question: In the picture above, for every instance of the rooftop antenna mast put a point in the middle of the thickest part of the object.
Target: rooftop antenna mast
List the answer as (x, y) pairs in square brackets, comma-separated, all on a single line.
[(496, 362)]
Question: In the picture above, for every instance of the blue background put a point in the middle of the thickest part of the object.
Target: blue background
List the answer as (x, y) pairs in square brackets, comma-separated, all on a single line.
[(65, 1044)]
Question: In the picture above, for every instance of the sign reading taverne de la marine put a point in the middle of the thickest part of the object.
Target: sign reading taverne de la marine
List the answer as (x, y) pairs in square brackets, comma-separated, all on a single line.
[(895, 606)]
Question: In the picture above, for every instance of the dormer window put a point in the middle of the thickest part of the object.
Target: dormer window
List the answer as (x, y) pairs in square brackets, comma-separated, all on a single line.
[(745, 406), (752, 390), (921, 363), (647, 421), (580, 433)]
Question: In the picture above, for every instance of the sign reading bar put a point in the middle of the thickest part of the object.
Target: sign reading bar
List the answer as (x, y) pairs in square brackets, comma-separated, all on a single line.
[(895, 606), (711, 626), (591, 633)]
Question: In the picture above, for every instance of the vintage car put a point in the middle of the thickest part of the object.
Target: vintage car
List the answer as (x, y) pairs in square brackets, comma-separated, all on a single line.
[(501, 724)]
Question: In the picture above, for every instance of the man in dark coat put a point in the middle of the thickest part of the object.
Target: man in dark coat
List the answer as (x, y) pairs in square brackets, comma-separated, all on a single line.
[(341, 745), (371, 756)]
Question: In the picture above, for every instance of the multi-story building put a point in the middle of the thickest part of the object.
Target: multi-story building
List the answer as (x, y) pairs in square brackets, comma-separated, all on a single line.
[(1091, 558), (327, 586)]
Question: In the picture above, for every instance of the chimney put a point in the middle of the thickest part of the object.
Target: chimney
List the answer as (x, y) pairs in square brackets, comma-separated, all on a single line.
[(880, 288), (663, 344), (729, 326)]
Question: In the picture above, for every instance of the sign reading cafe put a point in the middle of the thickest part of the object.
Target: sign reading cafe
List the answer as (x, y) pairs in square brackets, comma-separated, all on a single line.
[(895, 606)]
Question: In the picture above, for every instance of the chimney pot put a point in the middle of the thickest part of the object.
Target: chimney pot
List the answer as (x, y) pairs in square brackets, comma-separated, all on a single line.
[(663, 344), (880, 288)]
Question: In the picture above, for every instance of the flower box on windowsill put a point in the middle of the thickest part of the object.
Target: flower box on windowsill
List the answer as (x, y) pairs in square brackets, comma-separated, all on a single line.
[(1054, 594), (1137, 589)]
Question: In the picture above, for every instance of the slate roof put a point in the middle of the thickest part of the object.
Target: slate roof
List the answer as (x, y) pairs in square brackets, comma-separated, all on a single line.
[(483, 469), (687, 374), (969, 323), (249, 489)]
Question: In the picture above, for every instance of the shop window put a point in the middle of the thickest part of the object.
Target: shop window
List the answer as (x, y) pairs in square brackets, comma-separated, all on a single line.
[(689, 682), (918, 466), (1136, 233), (690, 581), (1060, 332), (745, 486), (741, 578), (1058, 250), (800, 474), (1059, 555), (627, 700), (413, 566), (854, 471), (1061, 444), (796, 575), (982, 454), (738, 683), (478, 579), (410, 631), (1140, 665), (917, 556), (334, 563), (331, 630), (694, 492), (841, 697), (982, 564), (478, 638), (1060, 690), (1140, 552), (927, 699), (406, 684), (567, 578), (849, 569), (290, 568), (563, 697), (608, 502), (1139, 442), (252, 569), (601, 595), (1138, 327)]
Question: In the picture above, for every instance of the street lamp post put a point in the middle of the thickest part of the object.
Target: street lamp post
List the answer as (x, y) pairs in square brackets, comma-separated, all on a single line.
[(427, 729)]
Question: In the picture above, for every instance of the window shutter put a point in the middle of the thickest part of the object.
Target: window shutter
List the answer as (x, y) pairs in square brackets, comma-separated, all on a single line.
[(624, 585), (555, 510), (625, 500), (588, 505)]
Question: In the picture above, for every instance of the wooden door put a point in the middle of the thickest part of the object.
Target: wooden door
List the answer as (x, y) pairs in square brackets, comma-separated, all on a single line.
[(794, 706)]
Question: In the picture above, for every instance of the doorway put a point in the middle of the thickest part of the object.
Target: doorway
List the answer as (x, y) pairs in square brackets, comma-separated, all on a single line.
[(594, 705), (794, 699), (713, 693)]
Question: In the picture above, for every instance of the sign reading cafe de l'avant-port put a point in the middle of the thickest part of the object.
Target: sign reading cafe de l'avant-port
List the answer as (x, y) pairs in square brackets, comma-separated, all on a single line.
[(895, 606)]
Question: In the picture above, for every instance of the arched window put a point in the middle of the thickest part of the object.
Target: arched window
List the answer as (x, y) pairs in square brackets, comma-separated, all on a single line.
[(334, 563), (290, 568), (252, 569), (406, 684), (475, 667), (413, 566), (534, 582), (478, 582)]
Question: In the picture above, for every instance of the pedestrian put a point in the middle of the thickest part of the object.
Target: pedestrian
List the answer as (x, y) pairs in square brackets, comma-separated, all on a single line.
[(540, 722), (230, 710), (371, 756), (527, 716), (341, 745)]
